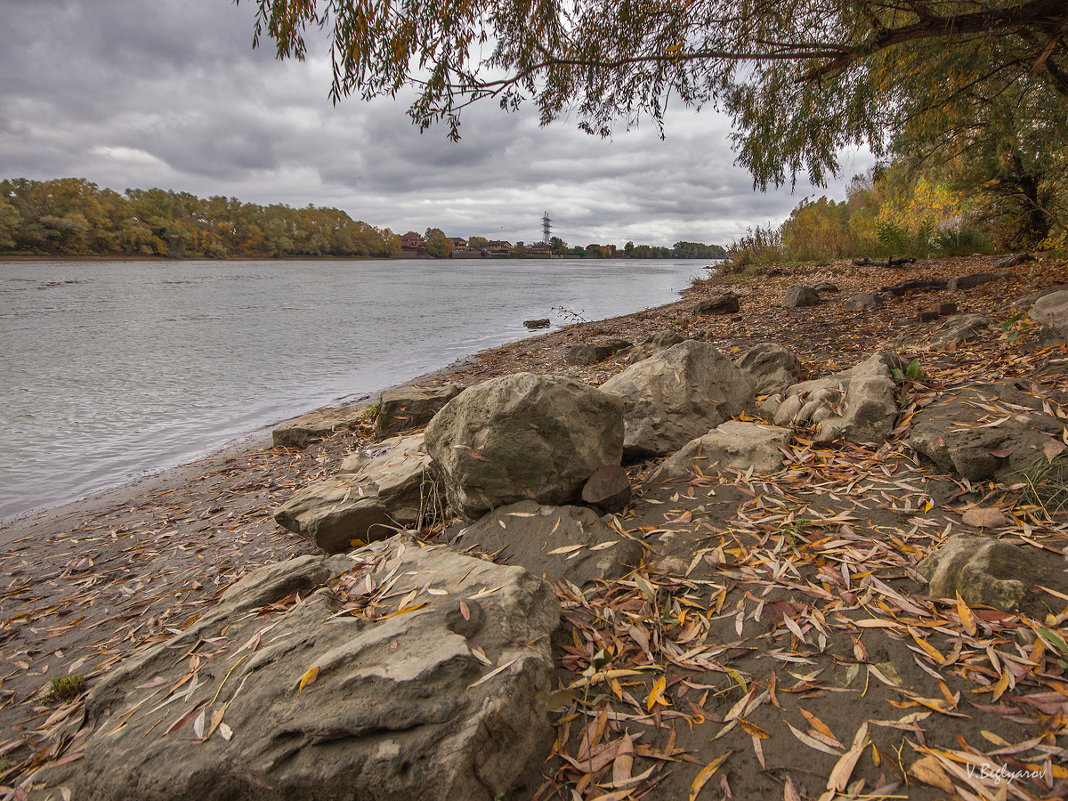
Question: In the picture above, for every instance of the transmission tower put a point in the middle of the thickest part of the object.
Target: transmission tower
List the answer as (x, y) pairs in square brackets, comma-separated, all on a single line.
[(546, 228)]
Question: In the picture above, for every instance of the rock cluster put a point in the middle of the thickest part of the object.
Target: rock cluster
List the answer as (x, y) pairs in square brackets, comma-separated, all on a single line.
[(399, 670)]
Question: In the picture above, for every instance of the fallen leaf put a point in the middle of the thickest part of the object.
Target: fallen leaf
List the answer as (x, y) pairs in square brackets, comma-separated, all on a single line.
[(311, 675), (929, 771), (706, 773)]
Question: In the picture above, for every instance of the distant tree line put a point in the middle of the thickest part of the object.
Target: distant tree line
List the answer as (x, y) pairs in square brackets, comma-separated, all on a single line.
[(74, 217)]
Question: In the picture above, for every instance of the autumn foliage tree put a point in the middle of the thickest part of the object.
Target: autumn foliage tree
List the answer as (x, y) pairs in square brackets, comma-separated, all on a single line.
[(801, 78)]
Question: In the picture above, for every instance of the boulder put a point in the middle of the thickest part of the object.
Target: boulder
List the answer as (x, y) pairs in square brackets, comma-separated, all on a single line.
[(862, 301), (593, 352), (554, 542), (653, 345), (772, 367), (340, 696), (523, 436), (411, 406), (859, 404), (608, 489), (961, 328), (533, 325), (370, 500), (826, 286), (1052, 311), (965, 433), (336, 514), (726, 303), (1027, 301), (798, 296), (731, 446), (400, 472), (974, 280), (982, 570), (677, 395), (301, 431)]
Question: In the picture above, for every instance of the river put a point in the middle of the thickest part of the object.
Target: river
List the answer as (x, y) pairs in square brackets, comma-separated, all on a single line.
[(110, 370)]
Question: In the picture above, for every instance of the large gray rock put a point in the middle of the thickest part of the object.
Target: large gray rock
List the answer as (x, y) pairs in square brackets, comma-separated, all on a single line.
[(340, 696), (1052, 311), (731, 446), (369, 500), (408, 407), (314, 426), (554, 542), (1027, 301), (677, 395), (772, 367), (966, 433), (724, 303), (593, 352), (982, 570), (523, 436), (858, 404), (400, 472), (862, 301), (797, 296)]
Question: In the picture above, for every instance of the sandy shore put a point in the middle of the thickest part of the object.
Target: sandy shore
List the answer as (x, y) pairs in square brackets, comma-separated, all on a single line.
[(87, 584)]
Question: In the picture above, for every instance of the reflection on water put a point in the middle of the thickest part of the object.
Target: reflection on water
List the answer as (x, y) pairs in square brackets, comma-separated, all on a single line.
[(112, 369)]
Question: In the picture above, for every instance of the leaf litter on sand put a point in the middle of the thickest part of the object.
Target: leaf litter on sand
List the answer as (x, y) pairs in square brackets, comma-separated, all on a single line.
[(764, 600)]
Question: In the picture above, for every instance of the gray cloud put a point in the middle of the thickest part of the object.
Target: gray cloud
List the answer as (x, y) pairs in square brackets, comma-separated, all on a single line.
[(170, 93)]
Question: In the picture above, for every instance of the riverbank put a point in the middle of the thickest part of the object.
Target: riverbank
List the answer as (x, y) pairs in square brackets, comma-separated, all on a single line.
[(92, 582)]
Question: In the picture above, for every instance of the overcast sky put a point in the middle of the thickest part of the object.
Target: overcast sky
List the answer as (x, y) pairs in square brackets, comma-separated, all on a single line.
[(170, 94)]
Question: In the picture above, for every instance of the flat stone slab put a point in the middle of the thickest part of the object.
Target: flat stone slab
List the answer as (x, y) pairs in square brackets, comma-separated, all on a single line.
[(301, 431), (397, 671)]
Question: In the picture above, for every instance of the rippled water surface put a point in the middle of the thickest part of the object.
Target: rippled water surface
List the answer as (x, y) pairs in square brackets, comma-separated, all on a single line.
[(108, 370)]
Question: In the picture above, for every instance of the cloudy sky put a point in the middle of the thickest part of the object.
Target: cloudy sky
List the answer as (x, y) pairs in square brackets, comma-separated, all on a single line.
[(170, 94)]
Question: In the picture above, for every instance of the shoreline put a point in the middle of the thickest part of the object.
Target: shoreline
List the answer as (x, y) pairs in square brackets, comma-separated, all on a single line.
[(94, 581)]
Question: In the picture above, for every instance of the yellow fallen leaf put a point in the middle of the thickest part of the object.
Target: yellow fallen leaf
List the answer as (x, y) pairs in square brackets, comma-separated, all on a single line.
[(656, 695), (308, 678), (967, 619), (753, 729), (404, 610), (705, 774)]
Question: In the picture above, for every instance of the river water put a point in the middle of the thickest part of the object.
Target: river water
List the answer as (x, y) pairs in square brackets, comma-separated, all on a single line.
[(109, 370)]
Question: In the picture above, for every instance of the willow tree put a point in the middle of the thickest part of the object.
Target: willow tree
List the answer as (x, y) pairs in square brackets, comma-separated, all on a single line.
[(800, 78)]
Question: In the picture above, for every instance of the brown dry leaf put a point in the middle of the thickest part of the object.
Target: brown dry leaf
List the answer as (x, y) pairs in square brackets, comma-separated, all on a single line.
[(984, 518), (820, 726), (624, 762), (929, 771), (812, 742), (188, 716), (839, 777), (1052, 449)]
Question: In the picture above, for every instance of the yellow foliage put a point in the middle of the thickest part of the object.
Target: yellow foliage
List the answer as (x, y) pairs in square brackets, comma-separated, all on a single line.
[(929, 205)]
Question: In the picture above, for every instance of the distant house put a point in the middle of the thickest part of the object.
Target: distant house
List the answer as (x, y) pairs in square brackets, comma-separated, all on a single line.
[(499, 246), (458, 243), (411, 241)]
